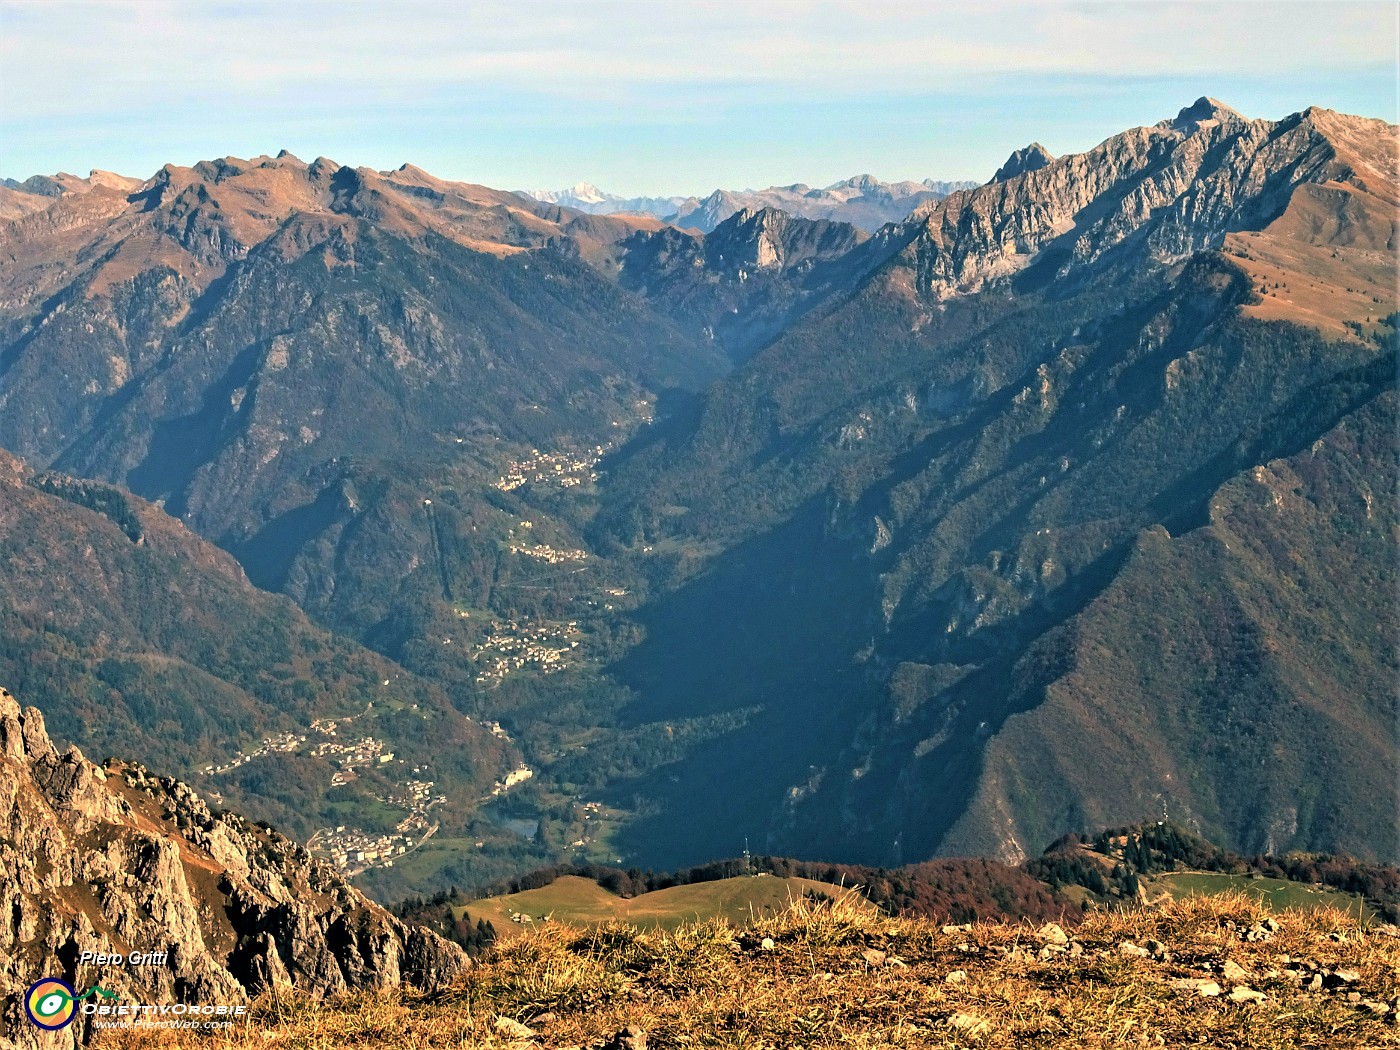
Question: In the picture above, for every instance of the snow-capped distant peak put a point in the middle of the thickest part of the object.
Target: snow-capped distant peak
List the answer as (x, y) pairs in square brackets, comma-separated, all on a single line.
[(587, 193)]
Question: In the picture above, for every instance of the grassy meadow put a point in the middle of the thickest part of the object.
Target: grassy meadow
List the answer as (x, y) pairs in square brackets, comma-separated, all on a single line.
[(582, 902), (1211, 971)]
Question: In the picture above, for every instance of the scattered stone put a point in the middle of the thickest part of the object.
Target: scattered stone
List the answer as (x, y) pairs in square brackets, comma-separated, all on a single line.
[(969, 1023), (1353, 997), (956, 977), (1200, 985), (513, 1029), (1313, 983), (1244, 994), (1261, 931), (1157, 950), (1374, 1006), (1075, 949), (873, 957), (766, 944), (964, 928), (1234, 972), (1130, 949), (1051, 933), (1334, 979)]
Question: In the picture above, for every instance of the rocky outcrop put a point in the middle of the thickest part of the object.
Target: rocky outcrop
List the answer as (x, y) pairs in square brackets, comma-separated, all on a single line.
[(113, 859), (749, 277), (1172, 189), (1027, 158)]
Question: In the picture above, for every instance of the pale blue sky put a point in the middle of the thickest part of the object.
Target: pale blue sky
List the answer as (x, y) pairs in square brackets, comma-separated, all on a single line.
[(654, 96)]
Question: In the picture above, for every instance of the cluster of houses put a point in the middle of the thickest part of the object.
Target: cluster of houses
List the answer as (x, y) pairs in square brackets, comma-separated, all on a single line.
[(271, 744), (546, 553), (565, 469), (367, 751), (331, 726), (353, 850), (417, 796), (511, 646)]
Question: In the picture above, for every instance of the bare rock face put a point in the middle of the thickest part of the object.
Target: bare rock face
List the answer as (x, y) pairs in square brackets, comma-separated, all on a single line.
[(113, 859), (1027, 158), (1168, 190)]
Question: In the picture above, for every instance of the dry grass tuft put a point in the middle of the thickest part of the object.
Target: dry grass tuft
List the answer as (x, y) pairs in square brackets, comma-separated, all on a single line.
[(827, 974)]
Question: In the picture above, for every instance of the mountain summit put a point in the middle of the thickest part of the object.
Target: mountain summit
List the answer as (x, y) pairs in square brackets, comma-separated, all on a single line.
[(1204, 110), (1027, 158)]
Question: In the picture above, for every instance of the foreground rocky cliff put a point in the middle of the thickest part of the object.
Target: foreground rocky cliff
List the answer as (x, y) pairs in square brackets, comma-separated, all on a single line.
[(113, 859)]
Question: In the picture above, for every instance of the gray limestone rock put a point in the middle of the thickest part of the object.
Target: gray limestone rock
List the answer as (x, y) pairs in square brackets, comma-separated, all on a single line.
[(115, 860)]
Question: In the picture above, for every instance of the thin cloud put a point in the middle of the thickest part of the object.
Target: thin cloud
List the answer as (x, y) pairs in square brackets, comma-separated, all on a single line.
[(66, 55)]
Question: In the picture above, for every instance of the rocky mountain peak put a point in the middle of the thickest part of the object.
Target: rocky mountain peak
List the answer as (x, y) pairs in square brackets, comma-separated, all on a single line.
[(1027, 158), (113, 180), (1178, 187), (1203, 110), (865, 183), (115, 859), (587, 192)]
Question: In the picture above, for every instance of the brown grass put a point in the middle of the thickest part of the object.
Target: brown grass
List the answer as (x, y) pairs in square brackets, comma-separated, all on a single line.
[(1327, 260), (828, 975)]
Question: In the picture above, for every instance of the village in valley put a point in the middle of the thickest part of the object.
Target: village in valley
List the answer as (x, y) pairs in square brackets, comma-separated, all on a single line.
[(510, 646), (506, 646), (564, 469), (351, 849), (545, 553)]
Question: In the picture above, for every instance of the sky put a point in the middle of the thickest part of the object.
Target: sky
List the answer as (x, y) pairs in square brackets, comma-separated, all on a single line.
[(654, 96)]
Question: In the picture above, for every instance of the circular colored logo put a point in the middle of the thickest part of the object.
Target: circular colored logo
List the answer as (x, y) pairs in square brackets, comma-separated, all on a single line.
[(49, 1003)]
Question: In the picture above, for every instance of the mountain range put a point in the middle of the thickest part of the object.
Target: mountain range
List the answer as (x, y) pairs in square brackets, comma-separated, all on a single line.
[(1037, 506), (863, 201)]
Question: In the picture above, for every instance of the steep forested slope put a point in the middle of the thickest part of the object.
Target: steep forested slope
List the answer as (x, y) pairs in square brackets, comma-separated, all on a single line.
[(924, 493), (136, 637)]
